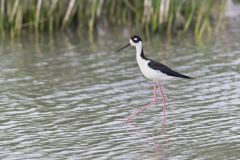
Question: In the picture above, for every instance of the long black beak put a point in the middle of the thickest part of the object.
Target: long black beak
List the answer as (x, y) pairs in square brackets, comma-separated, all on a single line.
[(123, 47)]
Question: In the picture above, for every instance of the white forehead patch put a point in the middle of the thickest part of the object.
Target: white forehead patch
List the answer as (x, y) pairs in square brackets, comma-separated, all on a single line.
[(135, 39)]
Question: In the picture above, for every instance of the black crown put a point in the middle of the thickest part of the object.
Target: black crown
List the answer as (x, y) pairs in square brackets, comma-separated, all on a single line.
[(136, 39)]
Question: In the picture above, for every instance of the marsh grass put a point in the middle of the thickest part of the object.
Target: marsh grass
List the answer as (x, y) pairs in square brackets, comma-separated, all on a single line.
[(150, 16)]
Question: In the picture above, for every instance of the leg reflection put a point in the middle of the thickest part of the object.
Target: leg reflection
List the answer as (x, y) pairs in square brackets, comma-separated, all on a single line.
[(160, 147)]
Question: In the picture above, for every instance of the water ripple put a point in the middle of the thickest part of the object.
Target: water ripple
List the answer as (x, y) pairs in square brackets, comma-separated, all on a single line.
[(73, 105)]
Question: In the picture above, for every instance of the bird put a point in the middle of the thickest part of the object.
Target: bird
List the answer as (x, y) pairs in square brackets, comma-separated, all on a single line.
[(152, 70)]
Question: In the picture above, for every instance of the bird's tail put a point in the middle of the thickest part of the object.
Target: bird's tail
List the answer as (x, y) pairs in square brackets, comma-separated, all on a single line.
[(184, 76)]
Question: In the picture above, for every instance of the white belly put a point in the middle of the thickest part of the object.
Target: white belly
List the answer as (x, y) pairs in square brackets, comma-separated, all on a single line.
[(149, 73)]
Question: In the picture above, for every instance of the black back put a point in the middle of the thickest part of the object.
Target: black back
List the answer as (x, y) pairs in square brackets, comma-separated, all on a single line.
[(165, 69)]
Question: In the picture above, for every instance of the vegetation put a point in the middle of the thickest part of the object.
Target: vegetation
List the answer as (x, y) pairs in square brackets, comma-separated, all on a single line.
[(168, 16)]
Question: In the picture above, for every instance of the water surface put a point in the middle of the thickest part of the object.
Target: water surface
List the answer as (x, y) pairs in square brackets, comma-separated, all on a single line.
[(67, 98)]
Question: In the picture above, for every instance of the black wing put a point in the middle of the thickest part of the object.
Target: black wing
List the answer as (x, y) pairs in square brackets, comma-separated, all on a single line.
[(165, 69)]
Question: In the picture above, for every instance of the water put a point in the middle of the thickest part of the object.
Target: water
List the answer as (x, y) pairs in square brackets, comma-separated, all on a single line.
[(67, 98)]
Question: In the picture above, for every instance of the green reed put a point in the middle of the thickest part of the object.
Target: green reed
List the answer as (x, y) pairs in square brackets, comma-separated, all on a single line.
[(150, 16)]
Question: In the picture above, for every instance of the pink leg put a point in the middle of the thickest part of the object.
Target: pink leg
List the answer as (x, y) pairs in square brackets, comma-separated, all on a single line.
[(154, 101), (154, 92), (163, 98)]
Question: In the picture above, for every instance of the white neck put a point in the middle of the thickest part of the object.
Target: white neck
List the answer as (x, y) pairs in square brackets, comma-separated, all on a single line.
[(139, 47)]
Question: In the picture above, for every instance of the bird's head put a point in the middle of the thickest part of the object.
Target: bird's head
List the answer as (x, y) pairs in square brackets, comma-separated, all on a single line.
[(135, 41)]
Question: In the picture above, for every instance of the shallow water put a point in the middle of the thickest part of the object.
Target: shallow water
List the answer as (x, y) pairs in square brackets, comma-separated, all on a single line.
[(67, 98)]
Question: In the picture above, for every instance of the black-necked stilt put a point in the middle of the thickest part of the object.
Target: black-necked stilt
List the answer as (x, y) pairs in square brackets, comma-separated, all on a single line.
[(152, 70)]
